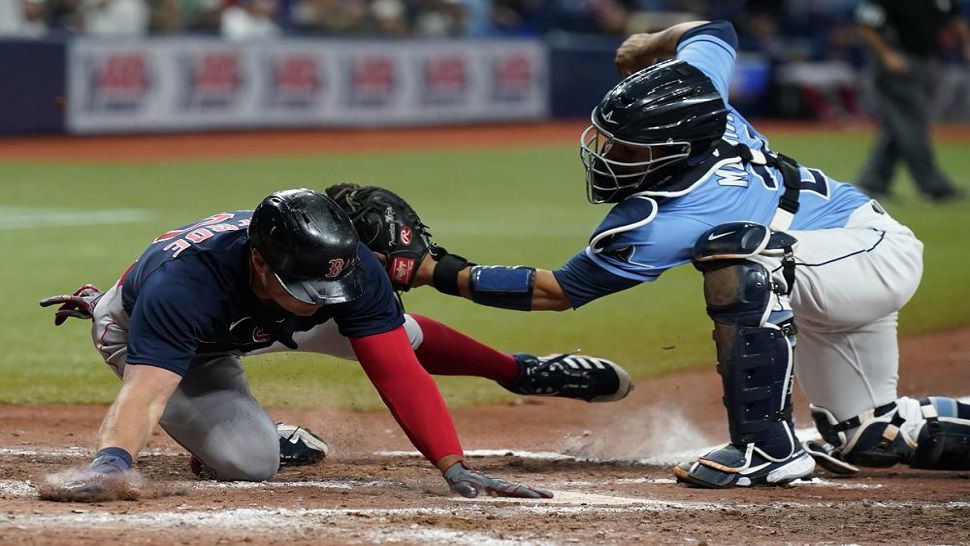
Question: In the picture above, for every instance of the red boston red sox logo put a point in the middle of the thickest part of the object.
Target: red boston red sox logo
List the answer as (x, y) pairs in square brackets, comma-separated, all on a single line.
[(336, 267), (405, 235)]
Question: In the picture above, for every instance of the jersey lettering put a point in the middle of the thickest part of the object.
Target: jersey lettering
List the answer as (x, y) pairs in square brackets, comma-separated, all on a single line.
[(199, 235), (200, 232), (178, 246), (765, 175), (214, 219), (818, 184)]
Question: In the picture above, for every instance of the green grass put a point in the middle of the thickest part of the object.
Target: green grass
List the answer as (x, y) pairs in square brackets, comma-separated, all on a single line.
[(511, 206)]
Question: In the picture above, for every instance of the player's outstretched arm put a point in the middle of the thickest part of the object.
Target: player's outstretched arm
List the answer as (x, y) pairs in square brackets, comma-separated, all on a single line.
[(391, 228), (417, 405), (642, 50), (145, 390), (522, 288)]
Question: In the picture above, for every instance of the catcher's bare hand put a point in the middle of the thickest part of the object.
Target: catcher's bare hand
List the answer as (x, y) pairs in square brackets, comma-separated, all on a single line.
[(80, 304), (636, 53), (470, 483)]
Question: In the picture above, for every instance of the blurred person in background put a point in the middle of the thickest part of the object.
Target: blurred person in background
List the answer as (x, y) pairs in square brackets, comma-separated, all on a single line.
[(439, 18), (389, 17), (250, 20), (337, 16), (904, 38), (201, 16), (23, 18), (114, 17)]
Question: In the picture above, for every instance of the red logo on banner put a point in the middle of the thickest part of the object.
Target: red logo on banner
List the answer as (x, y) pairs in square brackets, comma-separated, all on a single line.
[(445, 75), (336, 267), (372, 79), (122, 74), (405, 235), (296, 74), (216, 72), (402, 269), (514, 75)]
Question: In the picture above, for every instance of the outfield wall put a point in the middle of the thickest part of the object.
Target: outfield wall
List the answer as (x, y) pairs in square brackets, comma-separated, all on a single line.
[(90, 86), (196, 84)]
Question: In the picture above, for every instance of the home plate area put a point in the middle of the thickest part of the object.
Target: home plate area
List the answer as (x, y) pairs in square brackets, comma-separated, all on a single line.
[(399, 499), (608, 464)]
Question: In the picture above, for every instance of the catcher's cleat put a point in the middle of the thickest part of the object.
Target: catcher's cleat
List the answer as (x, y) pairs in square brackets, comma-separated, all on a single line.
[(300, 446), (571, 376), (730, 466)]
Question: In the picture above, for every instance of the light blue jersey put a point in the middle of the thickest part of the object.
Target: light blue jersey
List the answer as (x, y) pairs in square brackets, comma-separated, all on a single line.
[(727, 193)]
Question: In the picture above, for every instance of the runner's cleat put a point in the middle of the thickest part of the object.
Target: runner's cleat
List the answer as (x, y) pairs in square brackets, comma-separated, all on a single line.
[(300, 446), (571, 376)]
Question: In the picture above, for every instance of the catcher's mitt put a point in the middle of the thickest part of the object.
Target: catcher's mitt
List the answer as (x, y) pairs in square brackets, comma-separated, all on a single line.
[(388, 225)]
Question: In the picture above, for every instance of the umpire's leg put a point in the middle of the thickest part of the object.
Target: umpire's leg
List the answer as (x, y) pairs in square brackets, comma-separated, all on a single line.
[(213, 415), (881, 165), (907, 114)]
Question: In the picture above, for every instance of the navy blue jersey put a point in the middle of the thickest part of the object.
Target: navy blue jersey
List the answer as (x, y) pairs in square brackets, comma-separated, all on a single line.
[(189, 294)]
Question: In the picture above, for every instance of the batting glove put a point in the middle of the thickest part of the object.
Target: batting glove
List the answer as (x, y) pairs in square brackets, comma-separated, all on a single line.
[(470, 483), (79, 305)]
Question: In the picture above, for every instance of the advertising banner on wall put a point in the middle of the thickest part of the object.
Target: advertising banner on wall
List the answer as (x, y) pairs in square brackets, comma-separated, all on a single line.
[(197, 84)]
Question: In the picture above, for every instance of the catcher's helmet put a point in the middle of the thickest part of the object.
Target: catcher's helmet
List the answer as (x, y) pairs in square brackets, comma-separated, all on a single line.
[(647, 128), (310, 244)]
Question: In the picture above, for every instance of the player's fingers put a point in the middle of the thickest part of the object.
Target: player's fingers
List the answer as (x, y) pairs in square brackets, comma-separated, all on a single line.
[(465, 489), (62, 315), (55, 300), (503, 488)]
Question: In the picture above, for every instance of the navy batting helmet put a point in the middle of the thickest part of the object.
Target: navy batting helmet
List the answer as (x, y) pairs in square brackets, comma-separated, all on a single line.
[(647, 128), (310, 244)]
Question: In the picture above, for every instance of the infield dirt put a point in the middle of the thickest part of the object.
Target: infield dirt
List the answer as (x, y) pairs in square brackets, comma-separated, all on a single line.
[(607, 463)]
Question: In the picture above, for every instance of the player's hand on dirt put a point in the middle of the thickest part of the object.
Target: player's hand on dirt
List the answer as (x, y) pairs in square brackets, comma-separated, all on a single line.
[(469, 482), (636, 53), (80, 304), (103, 480)]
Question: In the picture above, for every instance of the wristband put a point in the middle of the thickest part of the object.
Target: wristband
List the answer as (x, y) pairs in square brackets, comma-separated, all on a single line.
[(114, 457), (502, 286), (445, 276)]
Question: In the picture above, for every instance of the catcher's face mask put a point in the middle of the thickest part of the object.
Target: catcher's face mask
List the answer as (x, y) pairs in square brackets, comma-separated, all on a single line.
[(615, 167)]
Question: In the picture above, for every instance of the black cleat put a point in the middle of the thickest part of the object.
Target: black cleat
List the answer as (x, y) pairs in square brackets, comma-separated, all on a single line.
[(300, 446), (571, 376)]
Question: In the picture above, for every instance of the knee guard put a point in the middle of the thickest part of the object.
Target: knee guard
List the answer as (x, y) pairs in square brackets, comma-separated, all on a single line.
[(753, 332), (931, 433)]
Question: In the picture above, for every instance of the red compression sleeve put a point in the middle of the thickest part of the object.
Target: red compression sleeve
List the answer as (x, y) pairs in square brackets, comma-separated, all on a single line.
[(409, 392), (446, 351)]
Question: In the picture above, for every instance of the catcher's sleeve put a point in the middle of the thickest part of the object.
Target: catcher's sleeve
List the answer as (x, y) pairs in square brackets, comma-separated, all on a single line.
[(409, 392)]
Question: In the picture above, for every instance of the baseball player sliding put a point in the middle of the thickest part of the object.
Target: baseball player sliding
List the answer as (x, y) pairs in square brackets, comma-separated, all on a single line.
[(291, 275), (783, 248)]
